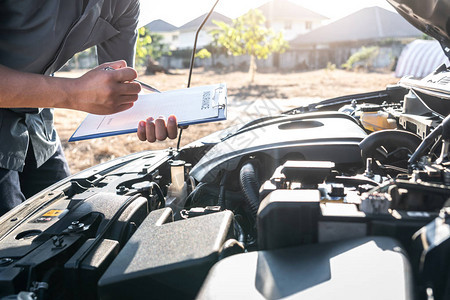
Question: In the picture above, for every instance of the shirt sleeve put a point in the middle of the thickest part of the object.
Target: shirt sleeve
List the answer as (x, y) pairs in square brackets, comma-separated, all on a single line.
[(122, 45)]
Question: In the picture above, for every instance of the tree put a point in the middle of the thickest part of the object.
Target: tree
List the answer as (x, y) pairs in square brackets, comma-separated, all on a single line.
[(248, 35), (149, 48), (202, 54), (363, 57)]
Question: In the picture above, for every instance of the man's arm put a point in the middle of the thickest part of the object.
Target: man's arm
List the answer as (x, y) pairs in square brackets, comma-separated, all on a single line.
[(98, 91)]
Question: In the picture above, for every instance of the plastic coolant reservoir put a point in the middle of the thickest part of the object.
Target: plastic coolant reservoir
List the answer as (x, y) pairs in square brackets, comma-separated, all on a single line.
[(377, 120), (177, 190)]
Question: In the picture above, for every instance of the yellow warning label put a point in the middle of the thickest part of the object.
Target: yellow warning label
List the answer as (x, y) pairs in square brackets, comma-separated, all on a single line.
[(53, 213)]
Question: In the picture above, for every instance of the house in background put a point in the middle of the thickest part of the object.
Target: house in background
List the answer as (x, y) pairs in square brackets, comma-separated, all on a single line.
[(313, 47), (281, 15), (336, 41), (168, 31), (182, 46), (289, 18), (187, 31)]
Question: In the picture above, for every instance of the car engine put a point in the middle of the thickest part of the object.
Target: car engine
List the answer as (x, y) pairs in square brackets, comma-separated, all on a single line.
[(346, 197)]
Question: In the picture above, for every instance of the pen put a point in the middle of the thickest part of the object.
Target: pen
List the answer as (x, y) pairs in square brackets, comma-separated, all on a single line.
[(143, 84), (147, 86)]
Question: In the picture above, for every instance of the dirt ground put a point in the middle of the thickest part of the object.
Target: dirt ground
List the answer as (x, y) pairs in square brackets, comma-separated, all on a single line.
[(279, 88)]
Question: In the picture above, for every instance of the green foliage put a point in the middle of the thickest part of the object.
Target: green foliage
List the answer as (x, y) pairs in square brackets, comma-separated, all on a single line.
[(331, 66), (364, 56), (143, 48), (202, 54), (248, 35), (149, 45)]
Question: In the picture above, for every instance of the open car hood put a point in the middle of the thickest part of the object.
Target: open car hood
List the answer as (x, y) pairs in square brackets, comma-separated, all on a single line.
[(430, 16)]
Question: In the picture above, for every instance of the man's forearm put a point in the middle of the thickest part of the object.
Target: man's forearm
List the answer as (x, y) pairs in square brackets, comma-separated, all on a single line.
[(98, 91), (19, 89)]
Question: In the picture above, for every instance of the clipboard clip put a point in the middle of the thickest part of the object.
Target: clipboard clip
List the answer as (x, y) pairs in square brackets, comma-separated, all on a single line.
[(220, 106), (217, 92)]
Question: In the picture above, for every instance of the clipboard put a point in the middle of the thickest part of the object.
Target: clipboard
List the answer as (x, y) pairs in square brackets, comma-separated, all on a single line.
[(195, 105)]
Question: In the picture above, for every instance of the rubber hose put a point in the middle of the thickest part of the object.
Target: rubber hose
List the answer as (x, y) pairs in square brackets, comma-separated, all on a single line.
[(41, 292), (250, 187), (443, 128), (196, 193), (426, 143), (206, 189), (446, 128), (239, 232), (221, 201), (157, 188), (388, 138)]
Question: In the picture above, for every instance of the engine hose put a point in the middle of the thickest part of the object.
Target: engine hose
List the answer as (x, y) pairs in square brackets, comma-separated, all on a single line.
[(199, 189), (205, 191), (157, 188), (43, 286), (388, 139), (221, 200), (250, 187), (239, 232), (426, 143), (443, 129)]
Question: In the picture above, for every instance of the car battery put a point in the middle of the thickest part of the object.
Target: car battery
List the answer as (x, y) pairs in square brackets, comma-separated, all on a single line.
[(288, 218)]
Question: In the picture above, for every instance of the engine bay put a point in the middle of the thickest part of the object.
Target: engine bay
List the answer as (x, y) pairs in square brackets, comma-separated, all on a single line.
[(275, 209)]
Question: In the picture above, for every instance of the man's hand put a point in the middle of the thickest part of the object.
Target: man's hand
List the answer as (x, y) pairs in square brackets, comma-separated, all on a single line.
[(99, 91), (152, 130), (107, 89)]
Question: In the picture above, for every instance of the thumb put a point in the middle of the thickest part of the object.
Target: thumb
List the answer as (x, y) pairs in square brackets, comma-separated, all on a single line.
[(118, 64)]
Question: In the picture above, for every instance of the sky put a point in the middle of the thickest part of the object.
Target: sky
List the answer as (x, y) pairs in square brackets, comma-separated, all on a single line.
[(179, 12)]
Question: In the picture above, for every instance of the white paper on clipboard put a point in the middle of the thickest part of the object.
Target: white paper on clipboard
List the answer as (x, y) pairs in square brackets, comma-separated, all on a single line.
[(191, 106)]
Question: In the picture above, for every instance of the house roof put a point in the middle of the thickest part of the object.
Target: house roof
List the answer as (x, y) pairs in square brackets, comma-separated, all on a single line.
[(194, 24), (371, 23), (284, 9), (160, 26)]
